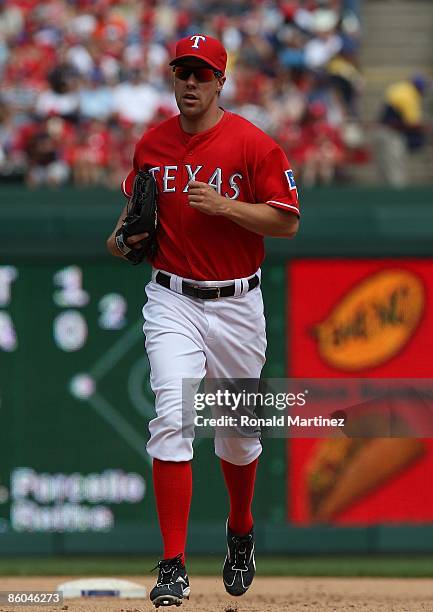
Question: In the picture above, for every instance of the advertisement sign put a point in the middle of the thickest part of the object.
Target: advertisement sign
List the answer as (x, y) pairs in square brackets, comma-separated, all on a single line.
[(366, 318)]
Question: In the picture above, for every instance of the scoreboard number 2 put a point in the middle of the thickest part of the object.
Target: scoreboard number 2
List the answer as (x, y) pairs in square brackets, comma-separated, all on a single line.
[(112, 307)]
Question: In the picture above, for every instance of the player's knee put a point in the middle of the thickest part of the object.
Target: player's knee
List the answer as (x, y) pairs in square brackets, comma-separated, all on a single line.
[(239, 451), (168, 442)]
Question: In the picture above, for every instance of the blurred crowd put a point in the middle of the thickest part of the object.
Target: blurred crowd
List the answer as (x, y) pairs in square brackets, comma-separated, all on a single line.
[(82, 80)]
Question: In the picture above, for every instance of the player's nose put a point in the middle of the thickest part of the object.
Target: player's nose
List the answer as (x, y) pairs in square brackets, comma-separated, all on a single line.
[(191, 80)]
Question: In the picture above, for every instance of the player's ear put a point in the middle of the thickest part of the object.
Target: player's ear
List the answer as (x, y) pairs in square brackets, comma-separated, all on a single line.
[(221, 81)]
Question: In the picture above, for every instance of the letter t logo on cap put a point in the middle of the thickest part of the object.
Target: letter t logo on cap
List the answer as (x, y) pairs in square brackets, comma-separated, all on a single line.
[(196, 40), (209, 50)]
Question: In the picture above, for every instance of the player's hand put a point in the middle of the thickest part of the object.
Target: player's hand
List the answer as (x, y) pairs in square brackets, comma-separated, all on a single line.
[(135, 240), (204, 198)]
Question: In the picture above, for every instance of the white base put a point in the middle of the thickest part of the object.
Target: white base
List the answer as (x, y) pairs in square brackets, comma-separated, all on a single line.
[(102, 587)]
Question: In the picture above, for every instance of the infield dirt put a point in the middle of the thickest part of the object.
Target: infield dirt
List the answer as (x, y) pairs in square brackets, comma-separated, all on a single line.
[(266, 595)]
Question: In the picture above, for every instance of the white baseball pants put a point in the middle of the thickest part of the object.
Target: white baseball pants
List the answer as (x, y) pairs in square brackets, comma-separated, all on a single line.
[(192, 338)]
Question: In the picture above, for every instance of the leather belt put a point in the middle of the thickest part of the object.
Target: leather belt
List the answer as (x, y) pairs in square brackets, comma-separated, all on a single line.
[(205, 293)]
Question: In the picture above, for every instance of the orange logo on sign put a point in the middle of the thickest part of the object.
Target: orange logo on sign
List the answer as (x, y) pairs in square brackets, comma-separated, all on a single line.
[(372, 322)]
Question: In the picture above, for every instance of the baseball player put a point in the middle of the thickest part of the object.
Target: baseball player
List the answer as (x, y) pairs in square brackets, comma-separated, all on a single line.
[(223, 185)]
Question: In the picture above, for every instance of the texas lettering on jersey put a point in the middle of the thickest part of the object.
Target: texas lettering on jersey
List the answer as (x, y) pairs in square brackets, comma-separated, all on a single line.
[(169, 178), (241, 163)]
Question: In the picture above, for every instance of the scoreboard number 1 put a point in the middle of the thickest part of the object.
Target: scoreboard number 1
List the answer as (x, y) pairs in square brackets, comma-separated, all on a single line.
[(71, 292)]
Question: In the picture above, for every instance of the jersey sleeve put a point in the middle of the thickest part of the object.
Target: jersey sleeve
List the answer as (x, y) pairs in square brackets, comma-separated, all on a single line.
[(275, 183), (128, 182)]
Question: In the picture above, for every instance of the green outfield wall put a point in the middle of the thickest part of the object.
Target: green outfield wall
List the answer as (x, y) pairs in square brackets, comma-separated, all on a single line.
[(336, 222), (74, 394)]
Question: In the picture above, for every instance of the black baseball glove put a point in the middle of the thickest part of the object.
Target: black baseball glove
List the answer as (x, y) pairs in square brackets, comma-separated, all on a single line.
[(142, 216)]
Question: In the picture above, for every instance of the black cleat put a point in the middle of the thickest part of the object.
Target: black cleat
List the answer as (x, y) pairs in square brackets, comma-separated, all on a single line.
[(172, 585), (239, 565)]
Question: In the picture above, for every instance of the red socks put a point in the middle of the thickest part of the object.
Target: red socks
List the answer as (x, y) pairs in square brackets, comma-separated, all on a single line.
[(172, 481), (240, 480)]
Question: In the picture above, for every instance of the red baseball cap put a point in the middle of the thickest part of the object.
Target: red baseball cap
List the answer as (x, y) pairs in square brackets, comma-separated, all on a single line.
[(206, 48)]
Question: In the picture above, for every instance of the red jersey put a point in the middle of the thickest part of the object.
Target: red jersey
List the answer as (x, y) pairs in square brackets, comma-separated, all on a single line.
[(242, 163)]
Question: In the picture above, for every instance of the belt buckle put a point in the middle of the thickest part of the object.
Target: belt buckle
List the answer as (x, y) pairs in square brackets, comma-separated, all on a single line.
[(217, 289)]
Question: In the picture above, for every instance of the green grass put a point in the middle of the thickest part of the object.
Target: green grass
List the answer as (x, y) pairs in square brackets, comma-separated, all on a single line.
[(397, 567)]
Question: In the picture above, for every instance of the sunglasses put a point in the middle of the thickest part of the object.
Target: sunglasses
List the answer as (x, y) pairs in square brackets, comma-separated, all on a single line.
[(202, 75)]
